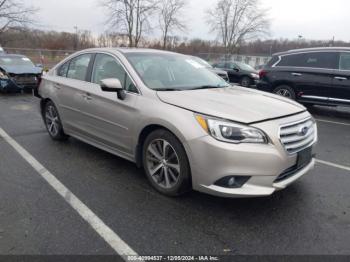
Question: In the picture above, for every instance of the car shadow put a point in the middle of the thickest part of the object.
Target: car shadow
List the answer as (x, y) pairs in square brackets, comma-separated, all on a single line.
[(330, 112)]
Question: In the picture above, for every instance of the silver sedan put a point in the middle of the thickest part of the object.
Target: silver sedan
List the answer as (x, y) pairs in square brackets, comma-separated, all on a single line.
[(183, 124)]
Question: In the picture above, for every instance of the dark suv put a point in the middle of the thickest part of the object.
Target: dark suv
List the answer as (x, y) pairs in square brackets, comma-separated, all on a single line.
[(312, 76)]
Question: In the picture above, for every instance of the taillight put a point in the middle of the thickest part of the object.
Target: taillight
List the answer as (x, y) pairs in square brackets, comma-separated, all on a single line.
[(262, 74)]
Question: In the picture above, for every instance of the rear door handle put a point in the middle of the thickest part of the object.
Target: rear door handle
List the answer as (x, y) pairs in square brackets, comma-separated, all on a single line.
[(340, 78), (57, 86), (296, 74)]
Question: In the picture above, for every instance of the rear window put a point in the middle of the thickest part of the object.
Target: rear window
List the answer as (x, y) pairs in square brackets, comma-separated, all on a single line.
[(326, 60), (344, 61)]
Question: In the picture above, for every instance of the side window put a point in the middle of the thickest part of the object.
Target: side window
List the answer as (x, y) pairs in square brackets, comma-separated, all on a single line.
[(344, 61), (220, 65), (273, 61), (105, 67), (326, 60), (78, 67), (63, 70), (231, 66)]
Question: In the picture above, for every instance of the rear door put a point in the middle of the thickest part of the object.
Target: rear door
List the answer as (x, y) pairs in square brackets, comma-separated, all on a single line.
[(311, 74), (340, 93), (71, 89)]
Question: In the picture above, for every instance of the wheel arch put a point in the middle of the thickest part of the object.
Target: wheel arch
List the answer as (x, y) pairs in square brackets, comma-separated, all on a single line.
[(43, 102), (148, 129)]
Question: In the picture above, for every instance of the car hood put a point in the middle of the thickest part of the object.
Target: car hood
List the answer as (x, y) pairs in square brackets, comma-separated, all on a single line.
[(251, 72), (21, 69), (233, 103)]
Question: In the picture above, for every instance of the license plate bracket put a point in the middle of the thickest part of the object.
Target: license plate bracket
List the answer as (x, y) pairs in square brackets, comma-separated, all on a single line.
[(304, 157)]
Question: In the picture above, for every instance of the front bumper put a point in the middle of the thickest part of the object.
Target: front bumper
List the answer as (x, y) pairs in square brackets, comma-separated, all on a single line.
[(11, 85), (212, 160)]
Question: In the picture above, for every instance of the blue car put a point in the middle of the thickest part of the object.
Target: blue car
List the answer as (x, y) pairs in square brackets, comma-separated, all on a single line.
[(18, 73)]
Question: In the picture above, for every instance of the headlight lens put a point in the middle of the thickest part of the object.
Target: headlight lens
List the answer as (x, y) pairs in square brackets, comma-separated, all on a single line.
[(254, 75), (230, 132), (3, 76)]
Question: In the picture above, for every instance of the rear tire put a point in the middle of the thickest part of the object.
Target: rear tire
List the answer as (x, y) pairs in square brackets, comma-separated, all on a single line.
[(53, 122), (165, 163), (285, 91)]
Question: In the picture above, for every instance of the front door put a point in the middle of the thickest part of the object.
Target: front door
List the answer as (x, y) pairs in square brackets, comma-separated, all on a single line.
[(109, 120)]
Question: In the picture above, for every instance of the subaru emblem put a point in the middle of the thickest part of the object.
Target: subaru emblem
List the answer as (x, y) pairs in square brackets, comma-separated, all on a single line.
[(303, 131)]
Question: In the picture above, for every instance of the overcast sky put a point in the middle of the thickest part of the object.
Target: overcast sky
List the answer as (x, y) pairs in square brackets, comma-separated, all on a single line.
[(313, 19)]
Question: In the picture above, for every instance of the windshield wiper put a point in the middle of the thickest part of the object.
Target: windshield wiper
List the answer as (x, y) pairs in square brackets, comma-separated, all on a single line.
[(207, 87), (167, 89)]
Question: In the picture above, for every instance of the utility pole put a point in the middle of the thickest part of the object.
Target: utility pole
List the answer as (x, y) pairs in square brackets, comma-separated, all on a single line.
[(76, 38)]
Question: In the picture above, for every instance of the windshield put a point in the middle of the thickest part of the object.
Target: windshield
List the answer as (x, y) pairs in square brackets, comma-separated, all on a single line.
[(245, 67), (173, 72), (15, 61), (201, 61)]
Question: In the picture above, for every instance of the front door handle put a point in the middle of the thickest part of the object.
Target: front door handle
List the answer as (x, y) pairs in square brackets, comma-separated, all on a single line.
[(87, 96), (340, 78), (296, 74)]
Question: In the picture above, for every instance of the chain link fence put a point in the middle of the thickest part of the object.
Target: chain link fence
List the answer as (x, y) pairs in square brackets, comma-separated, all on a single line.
[(49, 58), (252, 60)]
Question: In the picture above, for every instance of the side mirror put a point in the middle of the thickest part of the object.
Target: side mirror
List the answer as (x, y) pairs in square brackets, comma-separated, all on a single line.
[(113, 85), (39, 65)]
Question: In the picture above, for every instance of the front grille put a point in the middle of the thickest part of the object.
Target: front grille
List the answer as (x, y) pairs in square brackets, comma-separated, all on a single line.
[(25, 80), (298, 136)]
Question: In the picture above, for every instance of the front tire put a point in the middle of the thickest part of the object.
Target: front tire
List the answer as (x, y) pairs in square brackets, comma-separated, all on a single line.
[(285, 91), (246, 81), (53, 122), (165, 163)]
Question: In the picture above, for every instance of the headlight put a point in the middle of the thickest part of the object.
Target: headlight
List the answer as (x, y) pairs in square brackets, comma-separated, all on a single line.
[(3, 76), (254, 75), (231, 132)]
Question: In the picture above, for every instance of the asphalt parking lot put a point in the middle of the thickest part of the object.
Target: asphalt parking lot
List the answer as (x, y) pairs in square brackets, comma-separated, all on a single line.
[(310, 217)]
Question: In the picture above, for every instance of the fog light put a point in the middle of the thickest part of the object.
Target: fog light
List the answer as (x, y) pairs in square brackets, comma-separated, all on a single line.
[(232, 181)]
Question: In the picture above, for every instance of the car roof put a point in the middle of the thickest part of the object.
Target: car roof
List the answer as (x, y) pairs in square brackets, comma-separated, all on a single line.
[(127, 50), (315, 49)]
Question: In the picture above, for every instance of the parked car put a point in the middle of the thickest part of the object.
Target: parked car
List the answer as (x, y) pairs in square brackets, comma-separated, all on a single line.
[(2, 51), (240, 73), (223, 74), (18, 73), (187, 127), (259, 67), (319, 76)]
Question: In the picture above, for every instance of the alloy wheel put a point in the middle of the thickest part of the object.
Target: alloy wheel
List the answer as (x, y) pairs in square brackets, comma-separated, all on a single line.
[(163, 163), (52, 120), (284, 92)]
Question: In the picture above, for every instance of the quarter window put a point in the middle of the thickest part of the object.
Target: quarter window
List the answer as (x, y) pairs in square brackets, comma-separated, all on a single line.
[(78, 67), (344, 61), (105, 67), (63, 70), (326, 60)]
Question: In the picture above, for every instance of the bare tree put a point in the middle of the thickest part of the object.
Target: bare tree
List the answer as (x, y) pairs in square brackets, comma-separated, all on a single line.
[(15, 13), (237, 21), (130, 17), (169, 18)]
